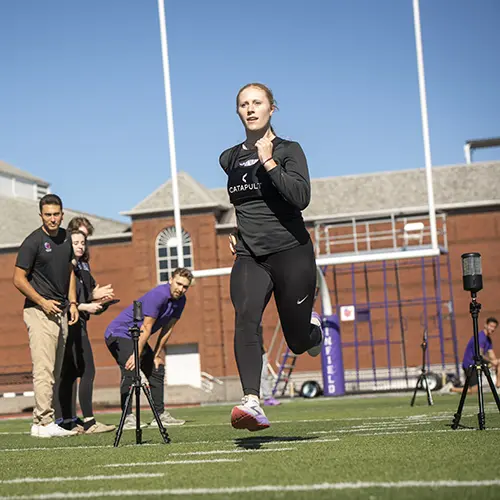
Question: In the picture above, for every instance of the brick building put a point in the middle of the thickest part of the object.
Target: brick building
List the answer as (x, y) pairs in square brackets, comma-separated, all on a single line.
[(350, 215)]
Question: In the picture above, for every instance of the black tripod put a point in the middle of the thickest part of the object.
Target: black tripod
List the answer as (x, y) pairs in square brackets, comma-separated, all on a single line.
[(422, 379), (136, 387), (478, 367)]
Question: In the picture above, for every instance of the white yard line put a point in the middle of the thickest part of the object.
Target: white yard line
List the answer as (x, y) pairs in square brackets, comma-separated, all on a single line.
[(422, 431), (22, 480), (359, 485), (435, 416), (262, 441), (229, 442), (394, 421), (225, 452), (175, 462), (362, 428), (59, 448), (310, 420)]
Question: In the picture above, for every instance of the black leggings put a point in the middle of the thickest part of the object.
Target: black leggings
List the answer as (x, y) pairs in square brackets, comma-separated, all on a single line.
[(78, 363), (291, 275), (122, 348)]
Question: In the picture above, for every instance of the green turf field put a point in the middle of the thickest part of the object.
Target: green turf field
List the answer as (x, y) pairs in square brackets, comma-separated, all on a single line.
[(355, 448)]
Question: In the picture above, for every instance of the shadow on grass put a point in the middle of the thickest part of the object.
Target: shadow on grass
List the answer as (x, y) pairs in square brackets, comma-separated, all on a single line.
[(461, 426), (255, 443)]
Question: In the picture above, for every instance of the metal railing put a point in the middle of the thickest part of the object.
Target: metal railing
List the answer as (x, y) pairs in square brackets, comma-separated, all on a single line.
[(369, 235)]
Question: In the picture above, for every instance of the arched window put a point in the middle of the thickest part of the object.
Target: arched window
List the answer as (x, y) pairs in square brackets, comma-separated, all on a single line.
[(166, 253)]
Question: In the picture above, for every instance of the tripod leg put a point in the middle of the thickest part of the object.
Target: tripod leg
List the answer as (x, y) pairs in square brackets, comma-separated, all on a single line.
[(415, 391), (480, 396), (429, 395), (128, 404), (492, 385), (458, 414), (161, 427), (138, 430)]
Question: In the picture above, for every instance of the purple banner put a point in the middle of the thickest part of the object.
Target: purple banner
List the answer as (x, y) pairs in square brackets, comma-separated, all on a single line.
[(331, 358)]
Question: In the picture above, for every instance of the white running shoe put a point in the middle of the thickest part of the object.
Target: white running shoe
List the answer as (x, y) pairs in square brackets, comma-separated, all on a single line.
[(249, 415), (131, 422), (446, 389), (167, 420), (52, 430), (35, 430), (316, 320), (99, 428)]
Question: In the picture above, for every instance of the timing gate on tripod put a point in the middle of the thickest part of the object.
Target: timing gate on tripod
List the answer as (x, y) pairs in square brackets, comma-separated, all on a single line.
[(473, 283), (422, 379), (136, 387)]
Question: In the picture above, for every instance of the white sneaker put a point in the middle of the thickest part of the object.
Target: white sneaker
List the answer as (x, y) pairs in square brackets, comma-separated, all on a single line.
[(249, 415), (53, 430), (167, 420), (35, 430), (446, 389), (99, 428), (131, 422), (316, 320)]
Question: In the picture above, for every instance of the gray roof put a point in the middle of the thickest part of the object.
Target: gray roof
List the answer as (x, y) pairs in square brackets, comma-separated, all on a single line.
[(10, 170), (455, 185), (381, 192), (399, 191), (191, 195), (20, 216), (220, 194)]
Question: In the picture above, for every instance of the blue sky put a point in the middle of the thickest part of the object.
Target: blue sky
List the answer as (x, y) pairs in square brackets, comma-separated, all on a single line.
[(82, 99)]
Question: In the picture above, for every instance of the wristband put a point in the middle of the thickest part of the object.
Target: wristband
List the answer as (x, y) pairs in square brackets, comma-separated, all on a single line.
[(76, 303), (263, 163)]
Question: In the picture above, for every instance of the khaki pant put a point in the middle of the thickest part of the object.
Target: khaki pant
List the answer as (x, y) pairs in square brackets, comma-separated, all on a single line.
[(47, 336)]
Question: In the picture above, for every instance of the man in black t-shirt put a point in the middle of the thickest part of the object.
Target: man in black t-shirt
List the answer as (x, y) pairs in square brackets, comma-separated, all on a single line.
[(44, 275)]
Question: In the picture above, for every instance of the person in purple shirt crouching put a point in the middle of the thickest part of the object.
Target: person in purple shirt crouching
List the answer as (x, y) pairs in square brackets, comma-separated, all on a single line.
[(486, 350), (162, 307)]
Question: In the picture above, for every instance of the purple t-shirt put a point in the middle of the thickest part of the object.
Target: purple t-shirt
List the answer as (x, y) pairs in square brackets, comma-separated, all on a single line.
[(485, 345), (157, 303)]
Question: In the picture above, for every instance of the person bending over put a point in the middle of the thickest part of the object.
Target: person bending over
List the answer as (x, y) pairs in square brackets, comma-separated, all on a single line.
[(162, 307), (486, 350)]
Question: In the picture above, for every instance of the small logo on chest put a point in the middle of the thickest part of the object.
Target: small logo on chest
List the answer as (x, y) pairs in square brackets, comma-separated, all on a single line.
[(47, 246), (249, 163)]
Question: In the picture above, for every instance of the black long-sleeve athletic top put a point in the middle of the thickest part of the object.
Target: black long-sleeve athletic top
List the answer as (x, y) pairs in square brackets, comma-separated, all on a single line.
[(268, 205)]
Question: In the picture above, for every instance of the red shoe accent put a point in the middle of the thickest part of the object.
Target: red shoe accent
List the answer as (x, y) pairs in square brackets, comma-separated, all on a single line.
[(243, 420)]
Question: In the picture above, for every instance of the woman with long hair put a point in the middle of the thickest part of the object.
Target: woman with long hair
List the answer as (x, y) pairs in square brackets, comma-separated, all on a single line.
[(269, 186), (78, 357)]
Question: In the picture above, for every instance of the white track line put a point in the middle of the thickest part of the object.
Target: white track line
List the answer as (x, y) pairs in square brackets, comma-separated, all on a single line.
[(59, 448), (308, 421), (229, 442), (422, 431), (175, 462), (260, 488), (252, 441), (403, 421), (21, 480), (440, 415), (223, 452), (435, 416), (362, 428)]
